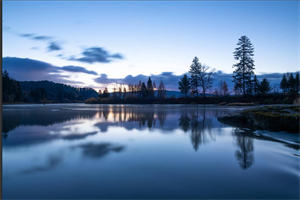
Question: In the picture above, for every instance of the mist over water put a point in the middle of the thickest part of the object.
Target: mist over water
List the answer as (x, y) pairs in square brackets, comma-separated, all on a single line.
[(142, 151)]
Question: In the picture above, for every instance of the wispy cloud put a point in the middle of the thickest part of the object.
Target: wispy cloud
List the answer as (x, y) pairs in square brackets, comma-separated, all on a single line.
[(35, 37), (71, 68), (52, 45)]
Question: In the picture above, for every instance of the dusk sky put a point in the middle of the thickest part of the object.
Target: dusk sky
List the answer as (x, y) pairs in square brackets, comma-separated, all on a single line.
[(132, 38)]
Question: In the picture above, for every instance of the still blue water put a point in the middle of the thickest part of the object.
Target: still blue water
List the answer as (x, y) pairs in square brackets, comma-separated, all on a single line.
[(142, 151)]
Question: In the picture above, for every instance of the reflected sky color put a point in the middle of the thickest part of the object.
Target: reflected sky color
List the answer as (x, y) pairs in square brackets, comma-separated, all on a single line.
[(143, 151), (152, 37)]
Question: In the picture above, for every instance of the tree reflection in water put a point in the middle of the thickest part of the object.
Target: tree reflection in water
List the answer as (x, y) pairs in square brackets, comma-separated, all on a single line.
[(244, 154), (199, 124), (184, 122)]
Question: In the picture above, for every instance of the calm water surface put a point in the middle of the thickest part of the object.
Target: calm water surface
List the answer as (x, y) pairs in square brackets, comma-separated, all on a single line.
[(142, 151)]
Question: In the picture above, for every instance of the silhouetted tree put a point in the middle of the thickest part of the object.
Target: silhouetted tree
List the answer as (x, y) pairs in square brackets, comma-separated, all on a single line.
[(114, 92), (154, 85), (284, 84), (144, 92), (291, 84), (11, 89), (223, 88), (256, 85), (161, 93), (99, 94), (150, 88), (184, 85), (205, 79), (264, 87), (120, 92), (297, 83), (244, 69), (124, 92), (200, 76), (105, 93), (195, 73)]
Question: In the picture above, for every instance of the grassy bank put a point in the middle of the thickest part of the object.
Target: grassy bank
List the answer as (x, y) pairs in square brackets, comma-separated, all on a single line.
[(274, 118), (222, 100)]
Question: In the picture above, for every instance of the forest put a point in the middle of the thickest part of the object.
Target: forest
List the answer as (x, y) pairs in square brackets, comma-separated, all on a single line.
[(42, 92)]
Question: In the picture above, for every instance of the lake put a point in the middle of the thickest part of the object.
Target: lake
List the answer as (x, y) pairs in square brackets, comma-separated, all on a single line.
[(142, 151)]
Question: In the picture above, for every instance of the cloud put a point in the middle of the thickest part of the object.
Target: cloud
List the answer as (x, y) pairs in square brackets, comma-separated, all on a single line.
[(96, 54), (170, 80), (35, 37), (71, 68), (54, 46), (25, 69), (103, 79)]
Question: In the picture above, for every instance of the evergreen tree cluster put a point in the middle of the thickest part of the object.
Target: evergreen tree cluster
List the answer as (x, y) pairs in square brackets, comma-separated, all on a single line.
[(141, 90), (289, 84), (200, 77), (11, 89)]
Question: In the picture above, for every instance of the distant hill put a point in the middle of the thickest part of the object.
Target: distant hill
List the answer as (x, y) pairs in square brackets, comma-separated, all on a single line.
[(43, 92), (56, 92)]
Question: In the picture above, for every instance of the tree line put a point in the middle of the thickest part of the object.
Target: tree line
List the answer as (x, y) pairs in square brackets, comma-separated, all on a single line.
[(200, 76), (143, 90), (197, 82)]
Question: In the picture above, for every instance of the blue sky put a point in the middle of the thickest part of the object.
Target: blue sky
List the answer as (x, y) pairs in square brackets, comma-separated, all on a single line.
[(151, 37)]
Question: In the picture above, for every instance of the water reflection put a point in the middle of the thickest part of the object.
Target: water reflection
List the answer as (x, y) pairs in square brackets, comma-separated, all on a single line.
[(52, 161), (244, 154), (41, 124), (82, 151), (93, 150)]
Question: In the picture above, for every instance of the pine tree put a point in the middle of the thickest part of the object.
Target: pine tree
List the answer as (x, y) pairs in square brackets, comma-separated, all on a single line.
[(99, 94), (224, 88), (264, 87), (105, 93), (297, 86), (205, 79), (124, 92), (150, 88), (200, 77), (244, 69), (284, 84), (195, 71), (120, 92), (184, 85), (161, 93), (255, 85), (144, 91), (291, 84), (154, 85)]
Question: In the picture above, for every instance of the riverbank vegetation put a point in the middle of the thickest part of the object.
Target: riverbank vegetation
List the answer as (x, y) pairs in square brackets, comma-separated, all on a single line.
[(273, 118)]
